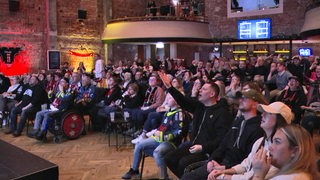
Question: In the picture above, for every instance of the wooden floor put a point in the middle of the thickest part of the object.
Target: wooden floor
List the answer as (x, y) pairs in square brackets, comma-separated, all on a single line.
[(88, 157)]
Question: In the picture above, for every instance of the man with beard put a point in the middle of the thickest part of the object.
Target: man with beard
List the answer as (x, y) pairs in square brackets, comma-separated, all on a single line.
[(238, 142)]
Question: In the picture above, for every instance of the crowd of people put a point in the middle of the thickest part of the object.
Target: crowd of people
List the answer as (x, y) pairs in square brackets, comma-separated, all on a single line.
[(220, 119), (183, 8)]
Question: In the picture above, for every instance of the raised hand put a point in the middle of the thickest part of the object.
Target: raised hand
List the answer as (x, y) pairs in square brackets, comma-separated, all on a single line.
[(165, 79)]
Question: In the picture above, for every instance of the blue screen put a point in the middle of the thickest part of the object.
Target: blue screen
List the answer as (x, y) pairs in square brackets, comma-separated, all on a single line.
[(305, 51), (254, 29)]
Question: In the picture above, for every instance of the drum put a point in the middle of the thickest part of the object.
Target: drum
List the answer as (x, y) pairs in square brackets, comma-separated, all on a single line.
[(72, 124)]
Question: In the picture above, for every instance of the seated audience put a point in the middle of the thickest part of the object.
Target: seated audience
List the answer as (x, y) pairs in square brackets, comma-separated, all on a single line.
[(154, 118), (198, 83), (166, 138), (153, 98), (31, 102), (311, 119), (84, 95), (274, 116), (11, 96), (75, 82), (281, 78), (4, 83), (187, 82), (238, 142), (131, 101), (102, 110), (210, 123), (231, 91), (62, 101), (294, 97)]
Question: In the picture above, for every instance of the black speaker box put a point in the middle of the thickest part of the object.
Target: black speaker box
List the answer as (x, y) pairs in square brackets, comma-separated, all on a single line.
[(14, 5), (82, 14)]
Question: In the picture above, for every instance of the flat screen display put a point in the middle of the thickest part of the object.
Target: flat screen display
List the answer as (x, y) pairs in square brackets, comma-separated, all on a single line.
[(53, 57), (254, 29), (305, 51)]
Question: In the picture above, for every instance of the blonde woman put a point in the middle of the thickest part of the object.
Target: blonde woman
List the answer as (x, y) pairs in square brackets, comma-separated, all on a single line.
[(292, 151)]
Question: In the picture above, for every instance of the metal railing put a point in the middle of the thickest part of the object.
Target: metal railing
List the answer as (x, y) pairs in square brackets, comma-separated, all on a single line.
[(161, 18)]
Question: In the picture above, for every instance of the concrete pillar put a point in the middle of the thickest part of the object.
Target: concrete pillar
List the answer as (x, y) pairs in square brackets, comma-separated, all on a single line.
[(147, 51), (173, 50)]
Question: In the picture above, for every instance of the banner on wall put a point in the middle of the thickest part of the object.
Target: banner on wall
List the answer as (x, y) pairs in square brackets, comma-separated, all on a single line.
[(8, 53), (83, 56), (13, 61)]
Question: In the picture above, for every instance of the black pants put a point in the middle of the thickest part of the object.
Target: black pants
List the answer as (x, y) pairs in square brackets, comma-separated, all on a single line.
[(180, 158), (199, 173)]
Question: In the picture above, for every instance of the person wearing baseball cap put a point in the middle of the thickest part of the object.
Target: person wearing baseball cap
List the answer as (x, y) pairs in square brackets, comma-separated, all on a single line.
[(278, 108), (274, 116), (254, 95), (294, 97), (238, 142)]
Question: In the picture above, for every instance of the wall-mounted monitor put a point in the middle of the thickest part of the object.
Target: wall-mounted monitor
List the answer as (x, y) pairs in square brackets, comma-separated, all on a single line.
[(53, 58), (245, 8), (254, 29), (305, 52)]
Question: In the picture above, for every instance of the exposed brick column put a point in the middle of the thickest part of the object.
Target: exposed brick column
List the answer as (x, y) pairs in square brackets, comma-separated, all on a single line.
[(52, 12)]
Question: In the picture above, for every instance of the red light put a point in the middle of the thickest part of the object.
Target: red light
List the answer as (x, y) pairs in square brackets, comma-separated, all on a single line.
[(19, 66)]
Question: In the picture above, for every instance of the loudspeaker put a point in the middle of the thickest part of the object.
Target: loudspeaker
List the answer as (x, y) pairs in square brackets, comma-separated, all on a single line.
[(82, 14), (14, 5)]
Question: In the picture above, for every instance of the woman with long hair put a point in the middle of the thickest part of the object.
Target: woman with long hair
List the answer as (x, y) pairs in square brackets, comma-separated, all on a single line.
[(292, 152)]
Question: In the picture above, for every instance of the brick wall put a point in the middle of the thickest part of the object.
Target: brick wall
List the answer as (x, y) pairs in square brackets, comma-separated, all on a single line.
[(24, 28), (81, 36), (28, 29), (288, 23)]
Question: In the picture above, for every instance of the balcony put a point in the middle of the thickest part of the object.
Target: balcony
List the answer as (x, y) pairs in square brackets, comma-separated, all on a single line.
[(157, 28), (311, 26)]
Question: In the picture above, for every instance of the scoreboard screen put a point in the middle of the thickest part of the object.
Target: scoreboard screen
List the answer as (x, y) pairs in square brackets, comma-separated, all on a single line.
[(254, 29)]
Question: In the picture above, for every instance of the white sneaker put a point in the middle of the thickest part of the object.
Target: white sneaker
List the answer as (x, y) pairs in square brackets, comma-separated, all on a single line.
[(136, 140), (139, 138), (150, 133)]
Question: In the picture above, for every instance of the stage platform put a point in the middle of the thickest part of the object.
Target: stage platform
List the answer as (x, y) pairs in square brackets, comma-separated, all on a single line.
[(16, 163)]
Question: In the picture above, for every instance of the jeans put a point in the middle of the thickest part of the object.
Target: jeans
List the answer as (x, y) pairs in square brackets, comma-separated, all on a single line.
[(153, 121), (13, 117), (131, 113), (23, 117), (159, 151), (43, 117), (6, 104), (28, 113), (106, 110)]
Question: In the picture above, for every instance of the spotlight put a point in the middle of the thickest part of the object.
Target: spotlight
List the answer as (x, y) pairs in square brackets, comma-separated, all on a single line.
[(159, 45)]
